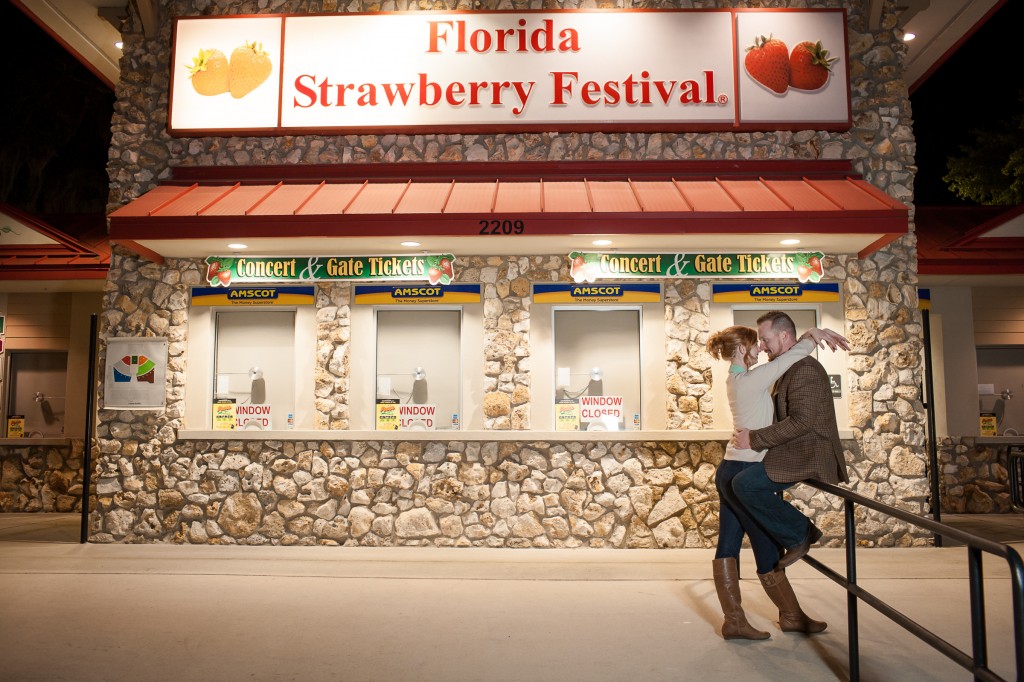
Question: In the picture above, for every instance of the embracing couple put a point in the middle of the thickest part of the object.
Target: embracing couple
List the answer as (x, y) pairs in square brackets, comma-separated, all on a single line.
[(785, 432)]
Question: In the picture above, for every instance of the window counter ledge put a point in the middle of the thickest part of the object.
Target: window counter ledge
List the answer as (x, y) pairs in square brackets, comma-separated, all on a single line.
[(30, 441), (564, 436)]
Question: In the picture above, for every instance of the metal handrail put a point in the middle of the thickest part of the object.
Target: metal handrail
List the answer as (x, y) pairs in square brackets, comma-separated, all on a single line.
[(977, 660)]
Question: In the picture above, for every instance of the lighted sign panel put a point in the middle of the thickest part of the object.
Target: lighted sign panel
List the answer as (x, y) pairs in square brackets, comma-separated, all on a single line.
[(593, 70)]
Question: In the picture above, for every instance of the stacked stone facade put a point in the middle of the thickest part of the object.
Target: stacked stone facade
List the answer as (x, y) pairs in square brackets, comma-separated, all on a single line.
[(41, 478), (974, 478), (154, 485)]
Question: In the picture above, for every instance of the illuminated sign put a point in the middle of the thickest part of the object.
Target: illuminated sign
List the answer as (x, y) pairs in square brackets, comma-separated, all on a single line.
[(253, 296), (368, 294), (222, 271), (599, 292), (807, 292), (669, 70), (589, 266)]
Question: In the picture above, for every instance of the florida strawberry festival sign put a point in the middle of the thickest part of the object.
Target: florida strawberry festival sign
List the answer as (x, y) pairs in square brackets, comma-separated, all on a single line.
[(590, 266), (605, 70)]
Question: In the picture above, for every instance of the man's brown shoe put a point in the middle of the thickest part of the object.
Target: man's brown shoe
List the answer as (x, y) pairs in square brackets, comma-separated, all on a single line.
[(795, 553)]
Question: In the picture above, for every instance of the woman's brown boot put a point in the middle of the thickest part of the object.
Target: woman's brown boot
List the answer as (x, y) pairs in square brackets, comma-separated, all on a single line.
[(791, 616), (727, 583)]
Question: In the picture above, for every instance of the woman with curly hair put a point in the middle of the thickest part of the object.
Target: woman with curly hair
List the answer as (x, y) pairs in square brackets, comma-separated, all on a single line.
[(749, 391)]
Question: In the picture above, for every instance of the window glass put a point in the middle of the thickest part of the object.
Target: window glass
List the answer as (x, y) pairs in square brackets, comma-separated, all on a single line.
[(419, 364), (1000, 377), (255, 366), (803, 319), (597, 362), (37, 383)]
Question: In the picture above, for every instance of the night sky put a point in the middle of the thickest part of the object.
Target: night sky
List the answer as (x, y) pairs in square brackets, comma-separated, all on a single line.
[(56, 122), (56, 118), (978, 86)]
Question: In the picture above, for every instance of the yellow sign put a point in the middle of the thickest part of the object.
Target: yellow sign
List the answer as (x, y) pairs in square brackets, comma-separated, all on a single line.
[(387, 414), (989, 426), (224, 414), (382, 294), (253, 296), (776, 292), (567, 415), (16, 426)]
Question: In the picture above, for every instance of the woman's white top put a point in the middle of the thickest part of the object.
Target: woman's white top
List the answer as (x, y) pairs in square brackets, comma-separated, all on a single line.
[(750, 396)]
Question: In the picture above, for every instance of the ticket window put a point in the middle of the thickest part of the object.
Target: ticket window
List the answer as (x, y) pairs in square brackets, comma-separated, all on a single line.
[(805, 316), (419, 366), (35, 400), (261, 360), (597, 364), (255, 364)]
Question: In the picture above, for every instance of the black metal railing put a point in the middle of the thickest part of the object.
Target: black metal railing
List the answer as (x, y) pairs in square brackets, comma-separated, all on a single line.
[(977, 660), (1015, 465)]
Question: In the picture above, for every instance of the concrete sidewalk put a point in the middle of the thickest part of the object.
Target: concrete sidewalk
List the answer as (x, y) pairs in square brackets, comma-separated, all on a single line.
[(160, 612)]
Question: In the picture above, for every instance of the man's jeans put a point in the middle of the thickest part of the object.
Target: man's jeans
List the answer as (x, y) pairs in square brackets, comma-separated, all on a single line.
[(758, 494)]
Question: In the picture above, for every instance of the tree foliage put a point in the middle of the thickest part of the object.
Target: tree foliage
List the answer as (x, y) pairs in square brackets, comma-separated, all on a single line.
[(991, 169)]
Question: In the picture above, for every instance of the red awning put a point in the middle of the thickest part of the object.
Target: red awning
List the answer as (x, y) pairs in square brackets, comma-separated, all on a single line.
[(32, 249), (829, 205)]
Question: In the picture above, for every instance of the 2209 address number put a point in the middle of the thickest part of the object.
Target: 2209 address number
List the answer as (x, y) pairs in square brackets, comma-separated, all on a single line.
[(501, 227)]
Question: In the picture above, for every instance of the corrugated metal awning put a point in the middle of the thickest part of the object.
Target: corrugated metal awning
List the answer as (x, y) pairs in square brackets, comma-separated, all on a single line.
[(464, 208)]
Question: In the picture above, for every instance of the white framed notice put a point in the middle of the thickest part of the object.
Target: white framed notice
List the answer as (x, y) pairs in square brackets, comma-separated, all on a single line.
[(135, 377)]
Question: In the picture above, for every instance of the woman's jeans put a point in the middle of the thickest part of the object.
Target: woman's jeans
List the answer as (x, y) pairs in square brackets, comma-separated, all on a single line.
[(734, 521)]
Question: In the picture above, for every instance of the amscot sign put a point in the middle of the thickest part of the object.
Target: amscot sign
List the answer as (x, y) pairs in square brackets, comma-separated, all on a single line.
[(586, 70)]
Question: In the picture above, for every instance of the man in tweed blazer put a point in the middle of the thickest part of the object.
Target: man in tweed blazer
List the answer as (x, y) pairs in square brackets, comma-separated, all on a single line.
[(802, 443)]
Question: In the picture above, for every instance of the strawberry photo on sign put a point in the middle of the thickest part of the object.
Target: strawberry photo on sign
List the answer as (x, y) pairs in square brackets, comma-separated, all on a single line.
[(810, 66), (767, 62), (792, 68)]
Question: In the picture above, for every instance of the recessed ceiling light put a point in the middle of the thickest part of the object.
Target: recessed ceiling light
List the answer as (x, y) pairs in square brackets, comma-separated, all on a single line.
[(410, 243), (119, 44), (601, 242), (237, 247), (907, 37), (789, 242)]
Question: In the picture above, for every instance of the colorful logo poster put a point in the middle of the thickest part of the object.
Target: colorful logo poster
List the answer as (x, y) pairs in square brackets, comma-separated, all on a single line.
[(135, 373), (136, 368)]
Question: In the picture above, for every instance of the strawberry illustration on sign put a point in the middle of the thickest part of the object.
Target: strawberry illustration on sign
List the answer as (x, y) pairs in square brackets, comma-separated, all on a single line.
[(584, 267), (808, 268), (440, 268), (209, 72), (767, 62), (250, 66), (218, 271), (810, 66)]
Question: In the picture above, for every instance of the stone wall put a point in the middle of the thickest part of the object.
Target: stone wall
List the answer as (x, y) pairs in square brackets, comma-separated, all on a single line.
[(973, 477), (446, 494), (143, 463), (41, 478)]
